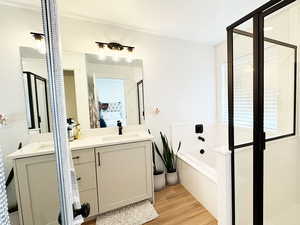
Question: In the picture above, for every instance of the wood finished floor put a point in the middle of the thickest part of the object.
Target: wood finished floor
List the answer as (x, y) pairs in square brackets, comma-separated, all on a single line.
[(176, 206)]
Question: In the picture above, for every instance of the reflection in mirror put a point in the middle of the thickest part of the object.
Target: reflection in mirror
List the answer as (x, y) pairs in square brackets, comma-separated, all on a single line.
[(115, 92), (36, 87), (35, 77)]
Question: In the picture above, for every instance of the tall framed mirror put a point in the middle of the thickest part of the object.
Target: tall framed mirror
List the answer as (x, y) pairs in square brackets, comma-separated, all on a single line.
[(115, 92)]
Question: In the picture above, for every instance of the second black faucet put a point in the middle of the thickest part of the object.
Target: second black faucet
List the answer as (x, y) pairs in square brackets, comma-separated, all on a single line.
[(119, 124)]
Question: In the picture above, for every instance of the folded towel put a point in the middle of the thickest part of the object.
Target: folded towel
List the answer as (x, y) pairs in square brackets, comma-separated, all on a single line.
[(4, 217)]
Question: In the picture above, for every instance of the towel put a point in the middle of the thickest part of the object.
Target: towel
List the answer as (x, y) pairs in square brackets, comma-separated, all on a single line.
[(4, 217)]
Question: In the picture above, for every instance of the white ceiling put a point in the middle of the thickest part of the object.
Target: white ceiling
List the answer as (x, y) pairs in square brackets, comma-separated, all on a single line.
[(196, 20)]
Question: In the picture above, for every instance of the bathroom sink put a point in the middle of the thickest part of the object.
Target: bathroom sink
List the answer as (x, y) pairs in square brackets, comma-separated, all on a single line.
[(125, 137), (45, 147)]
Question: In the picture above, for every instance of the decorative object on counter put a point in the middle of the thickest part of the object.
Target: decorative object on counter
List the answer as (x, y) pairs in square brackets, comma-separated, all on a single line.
[(73, 129), (115, 50), (169, 158), (159, 175), (3, 120), (135, 214), (4, 217)]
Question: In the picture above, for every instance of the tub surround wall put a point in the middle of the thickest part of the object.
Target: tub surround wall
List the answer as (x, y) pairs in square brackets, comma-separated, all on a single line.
[(207, 176), (200, 186)]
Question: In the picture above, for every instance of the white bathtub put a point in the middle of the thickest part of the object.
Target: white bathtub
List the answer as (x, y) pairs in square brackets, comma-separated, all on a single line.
[(206, 176)]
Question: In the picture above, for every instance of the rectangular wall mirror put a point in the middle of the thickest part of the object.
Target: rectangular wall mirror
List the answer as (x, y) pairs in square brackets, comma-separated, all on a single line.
[(36, 87), (115, 92)]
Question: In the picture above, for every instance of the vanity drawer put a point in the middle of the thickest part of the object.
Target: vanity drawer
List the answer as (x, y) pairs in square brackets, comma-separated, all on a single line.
[(90, 197), (86, 176), (83, 156)]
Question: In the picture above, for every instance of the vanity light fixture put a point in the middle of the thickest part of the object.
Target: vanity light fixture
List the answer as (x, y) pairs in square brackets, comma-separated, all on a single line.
[(115, 50), (40, 42)]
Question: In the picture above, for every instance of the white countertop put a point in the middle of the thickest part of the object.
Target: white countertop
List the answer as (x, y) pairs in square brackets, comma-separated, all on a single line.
[(86, 141)]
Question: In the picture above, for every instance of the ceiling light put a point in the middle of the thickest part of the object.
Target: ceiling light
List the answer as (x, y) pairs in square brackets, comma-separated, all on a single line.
[(40, 42)]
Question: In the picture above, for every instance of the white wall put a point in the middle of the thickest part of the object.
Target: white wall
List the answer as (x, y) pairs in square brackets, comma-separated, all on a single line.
[(179, 77), (17, 25), (34, 65)]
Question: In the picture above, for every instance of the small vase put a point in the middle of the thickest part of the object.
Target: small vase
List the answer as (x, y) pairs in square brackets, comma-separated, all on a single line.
[(172, 178), (159, 181)]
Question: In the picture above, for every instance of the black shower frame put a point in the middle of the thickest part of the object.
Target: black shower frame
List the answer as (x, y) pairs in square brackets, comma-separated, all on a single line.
[(30, 96), (259, 137), (141, 98)]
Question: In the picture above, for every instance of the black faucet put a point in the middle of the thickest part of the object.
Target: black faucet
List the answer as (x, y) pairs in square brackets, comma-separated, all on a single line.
[(201, 138), (119, 124)]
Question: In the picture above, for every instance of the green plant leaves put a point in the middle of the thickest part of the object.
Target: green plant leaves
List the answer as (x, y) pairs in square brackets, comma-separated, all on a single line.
[(168, 156)]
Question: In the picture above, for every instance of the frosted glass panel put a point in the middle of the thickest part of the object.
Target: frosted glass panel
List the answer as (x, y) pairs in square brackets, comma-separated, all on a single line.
[(281, 157), (243, 122), (243, 84), (279, 90)]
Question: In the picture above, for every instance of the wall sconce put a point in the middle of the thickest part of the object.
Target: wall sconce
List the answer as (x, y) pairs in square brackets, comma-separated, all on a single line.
[(115, 50), (40, 42)]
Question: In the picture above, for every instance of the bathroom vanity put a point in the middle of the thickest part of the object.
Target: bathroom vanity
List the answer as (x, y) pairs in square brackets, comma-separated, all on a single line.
[(112, 171)]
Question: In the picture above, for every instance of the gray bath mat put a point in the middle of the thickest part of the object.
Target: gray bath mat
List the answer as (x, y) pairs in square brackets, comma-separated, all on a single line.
[(135, 214)]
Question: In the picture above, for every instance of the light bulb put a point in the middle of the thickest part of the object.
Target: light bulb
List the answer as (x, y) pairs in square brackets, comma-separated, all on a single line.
[(102, 53), (101, 57), (130, 56), (41, 46), (115, 56)]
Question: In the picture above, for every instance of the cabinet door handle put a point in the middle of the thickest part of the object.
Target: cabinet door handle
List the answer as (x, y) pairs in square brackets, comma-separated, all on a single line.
[(76, 157), (99, 160), (78, 178)]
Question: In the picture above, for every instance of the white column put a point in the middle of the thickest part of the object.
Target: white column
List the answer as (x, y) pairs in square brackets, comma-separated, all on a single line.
[(223, 167)]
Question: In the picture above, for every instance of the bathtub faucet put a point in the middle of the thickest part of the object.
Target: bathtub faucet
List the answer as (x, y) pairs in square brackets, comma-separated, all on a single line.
[(201, 138)]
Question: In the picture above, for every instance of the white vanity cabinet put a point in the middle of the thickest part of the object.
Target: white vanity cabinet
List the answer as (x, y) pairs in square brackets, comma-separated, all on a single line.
[(124, 174), (108, 177), (37, 192), (36, 181)]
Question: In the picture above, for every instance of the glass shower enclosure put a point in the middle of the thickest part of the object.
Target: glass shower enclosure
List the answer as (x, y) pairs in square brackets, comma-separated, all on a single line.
[(262, 103)]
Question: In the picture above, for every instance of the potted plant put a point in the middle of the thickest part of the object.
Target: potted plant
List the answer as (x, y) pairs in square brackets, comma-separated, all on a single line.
[(159, 175), (169, 158)]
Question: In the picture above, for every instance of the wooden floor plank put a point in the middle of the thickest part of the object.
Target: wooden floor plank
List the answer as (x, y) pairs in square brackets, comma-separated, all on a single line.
[(176, 206)]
